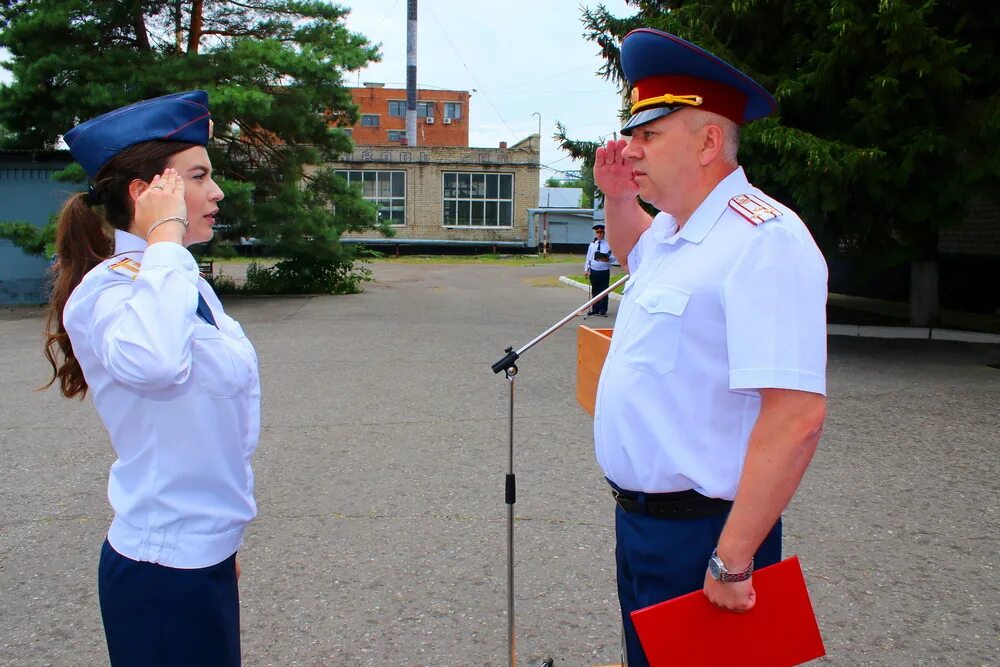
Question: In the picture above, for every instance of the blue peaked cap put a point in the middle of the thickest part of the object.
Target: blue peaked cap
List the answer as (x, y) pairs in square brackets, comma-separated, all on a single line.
[(657, 64), (178, 117)]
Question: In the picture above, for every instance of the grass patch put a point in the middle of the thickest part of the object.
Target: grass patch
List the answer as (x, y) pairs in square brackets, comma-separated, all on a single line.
[(580, 278), (239, 260), (547, 281)]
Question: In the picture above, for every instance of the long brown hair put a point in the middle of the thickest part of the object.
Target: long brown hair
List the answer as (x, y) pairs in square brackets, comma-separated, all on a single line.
[(83, 240)]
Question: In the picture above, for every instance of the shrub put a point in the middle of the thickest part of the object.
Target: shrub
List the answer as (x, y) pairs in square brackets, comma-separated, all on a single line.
[(223, 284), (300, 276)]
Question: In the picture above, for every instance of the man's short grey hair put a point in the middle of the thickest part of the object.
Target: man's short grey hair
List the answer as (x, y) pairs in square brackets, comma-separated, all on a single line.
[(730, 131)]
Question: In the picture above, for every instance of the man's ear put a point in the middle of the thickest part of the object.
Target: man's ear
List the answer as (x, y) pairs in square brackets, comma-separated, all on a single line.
[(136, 188), (711, 145)]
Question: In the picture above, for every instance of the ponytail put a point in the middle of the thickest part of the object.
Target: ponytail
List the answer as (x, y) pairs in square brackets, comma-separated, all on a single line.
[(82, 243)]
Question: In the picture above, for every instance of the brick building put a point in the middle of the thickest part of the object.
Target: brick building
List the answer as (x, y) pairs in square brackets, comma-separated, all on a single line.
[(449, 195), (440, 192), (442, 116)]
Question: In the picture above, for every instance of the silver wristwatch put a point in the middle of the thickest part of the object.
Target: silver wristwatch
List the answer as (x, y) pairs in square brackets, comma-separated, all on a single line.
[(719, 572)]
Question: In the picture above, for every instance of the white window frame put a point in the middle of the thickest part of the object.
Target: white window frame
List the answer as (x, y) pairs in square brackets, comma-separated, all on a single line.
[(470, 202), (384, 202), (447, 108), (402, 105)]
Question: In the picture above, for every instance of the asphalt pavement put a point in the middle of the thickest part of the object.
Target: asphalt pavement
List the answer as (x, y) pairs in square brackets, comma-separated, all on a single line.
[(381, 538)]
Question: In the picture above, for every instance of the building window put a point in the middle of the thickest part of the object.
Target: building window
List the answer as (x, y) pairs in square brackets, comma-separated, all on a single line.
[(369, 120), (386, 188), (452, 110), (478, 200), (425, 109), (397, 135), (398, 108)]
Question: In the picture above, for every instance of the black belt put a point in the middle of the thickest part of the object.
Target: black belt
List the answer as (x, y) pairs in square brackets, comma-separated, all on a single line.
[(679, 505)]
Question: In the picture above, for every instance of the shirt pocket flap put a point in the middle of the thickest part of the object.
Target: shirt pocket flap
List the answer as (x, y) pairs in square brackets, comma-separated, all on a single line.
[(666, 299), (219, 364)]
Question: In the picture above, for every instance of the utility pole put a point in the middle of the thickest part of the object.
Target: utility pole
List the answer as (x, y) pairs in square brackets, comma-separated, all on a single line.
[(411, 72)]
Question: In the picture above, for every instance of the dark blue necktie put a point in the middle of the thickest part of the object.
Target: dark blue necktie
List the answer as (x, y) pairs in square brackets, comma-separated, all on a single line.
[(204, 312)]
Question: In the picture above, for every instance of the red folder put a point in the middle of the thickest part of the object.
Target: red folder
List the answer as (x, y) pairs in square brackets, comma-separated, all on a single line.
[(780, 631)]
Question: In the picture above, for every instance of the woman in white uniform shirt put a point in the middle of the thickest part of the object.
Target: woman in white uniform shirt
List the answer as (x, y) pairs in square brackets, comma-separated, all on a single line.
[(173, 378)]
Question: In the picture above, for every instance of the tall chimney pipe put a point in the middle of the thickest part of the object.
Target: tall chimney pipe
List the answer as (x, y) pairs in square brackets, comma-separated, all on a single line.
[(411, 72)]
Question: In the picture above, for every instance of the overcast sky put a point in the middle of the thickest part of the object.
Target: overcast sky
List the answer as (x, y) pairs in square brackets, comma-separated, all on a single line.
[(516, 57)]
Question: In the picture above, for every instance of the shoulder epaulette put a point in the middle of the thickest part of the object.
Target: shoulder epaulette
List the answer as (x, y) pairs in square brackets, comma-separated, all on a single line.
[(126, 267), (753, 208)]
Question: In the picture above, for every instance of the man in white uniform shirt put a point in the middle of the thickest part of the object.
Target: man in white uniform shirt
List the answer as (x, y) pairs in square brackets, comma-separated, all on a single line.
[(597, 267), (712, 398)]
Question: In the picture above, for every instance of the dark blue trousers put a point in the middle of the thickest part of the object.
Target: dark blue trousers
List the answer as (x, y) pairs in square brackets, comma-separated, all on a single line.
[(162, 616), (599, 281), (659, 559)]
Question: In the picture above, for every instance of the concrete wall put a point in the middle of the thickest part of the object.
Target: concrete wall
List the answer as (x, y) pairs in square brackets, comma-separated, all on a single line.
[(979, 233), (28, 194)]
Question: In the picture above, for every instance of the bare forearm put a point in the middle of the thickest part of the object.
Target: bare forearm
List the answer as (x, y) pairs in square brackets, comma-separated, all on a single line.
[(626, 223), (781, 446)]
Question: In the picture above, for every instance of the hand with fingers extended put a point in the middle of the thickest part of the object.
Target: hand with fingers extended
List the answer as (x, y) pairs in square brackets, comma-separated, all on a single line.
[(160, 208), (612, 173)]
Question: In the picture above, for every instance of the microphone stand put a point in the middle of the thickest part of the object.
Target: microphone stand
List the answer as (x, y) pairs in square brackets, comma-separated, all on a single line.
[(509, 368)]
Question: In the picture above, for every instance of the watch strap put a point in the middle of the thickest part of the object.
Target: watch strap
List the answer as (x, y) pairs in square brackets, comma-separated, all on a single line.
[(727, 577)]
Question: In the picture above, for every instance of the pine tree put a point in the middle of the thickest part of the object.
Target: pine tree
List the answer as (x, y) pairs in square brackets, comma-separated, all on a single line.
[(274, 73), (889, 112)]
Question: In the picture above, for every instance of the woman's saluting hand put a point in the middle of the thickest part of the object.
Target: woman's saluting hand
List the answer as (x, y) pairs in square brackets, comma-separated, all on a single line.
[(160, 209)]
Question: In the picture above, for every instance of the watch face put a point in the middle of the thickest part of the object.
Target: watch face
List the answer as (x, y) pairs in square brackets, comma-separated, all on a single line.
[(715, 567)]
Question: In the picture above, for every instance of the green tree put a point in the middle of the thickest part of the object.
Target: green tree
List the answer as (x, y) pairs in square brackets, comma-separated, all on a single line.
[(32, 239), (889, 112), (574, 180), (569, 181), (274, 72)]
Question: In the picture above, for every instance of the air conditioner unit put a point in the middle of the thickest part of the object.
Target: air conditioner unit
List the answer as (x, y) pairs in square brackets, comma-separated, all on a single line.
[(446, 121), (430, 120)]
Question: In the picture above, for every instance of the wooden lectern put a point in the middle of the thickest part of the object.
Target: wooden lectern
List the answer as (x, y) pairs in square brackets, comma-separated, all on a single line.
[(591, 349)]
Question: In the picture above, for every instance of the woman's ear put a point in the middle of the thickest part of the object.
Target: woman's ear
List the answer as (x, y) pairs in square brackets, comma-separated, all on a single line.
[(136, 188)]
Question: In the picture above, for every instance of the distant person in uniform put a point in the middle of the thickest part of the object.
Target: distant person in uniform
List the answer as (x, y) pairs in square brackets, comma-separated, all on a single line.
[(597, 267), (712, 397), (173, 378)]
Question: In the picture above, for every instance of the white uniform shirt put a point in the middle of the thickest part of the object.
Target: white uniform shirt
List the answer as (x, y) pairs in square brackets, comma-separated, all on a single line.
[(180, 399), (710, 315), (598, 245)]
